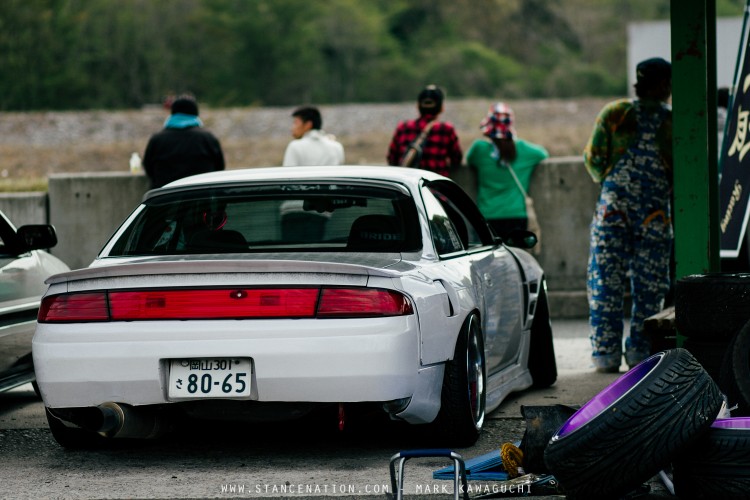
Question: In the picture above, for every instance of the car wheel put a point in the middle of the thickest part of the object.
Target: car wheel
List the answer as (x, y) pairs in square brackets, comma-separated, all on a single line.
[(634, 427), (734, 378), (463, 397), (712, 307), (542, 363), (73, 438), (718, 465)]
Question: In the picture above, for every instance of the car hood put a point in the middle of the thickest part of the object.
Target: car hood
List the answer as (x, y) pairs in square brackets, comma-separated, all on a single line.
[(370, 264)]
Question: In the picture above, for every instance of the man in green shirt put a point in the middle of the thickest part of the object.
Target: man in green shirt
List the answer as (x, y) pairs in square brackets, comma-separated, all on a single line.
[(499, 197)]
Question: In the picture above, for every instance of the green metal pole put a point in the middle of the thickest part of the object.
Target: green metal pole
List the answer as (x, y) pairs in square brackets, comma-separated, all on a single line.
[(694, 143), (693, 32)]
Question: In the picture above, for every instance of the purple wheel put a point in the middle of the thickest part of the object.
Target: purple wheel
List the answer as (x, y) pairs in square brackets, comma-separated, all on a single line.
[(634, 427), (718, 465)]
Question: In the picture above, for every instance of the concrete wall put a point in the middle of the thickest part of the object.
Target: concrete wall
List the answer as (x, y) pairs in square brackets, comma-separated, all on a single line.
[(24, 208), (87, 208)]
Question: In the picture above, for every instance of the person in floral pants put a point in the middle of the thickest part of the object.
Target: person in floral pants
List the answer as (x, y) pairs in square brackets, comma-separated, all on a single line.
[(630, 154)]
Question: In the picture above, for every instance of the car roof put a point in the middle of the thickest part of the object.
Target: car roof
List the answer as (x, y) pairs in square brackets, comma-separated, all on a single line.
[(408, 176)]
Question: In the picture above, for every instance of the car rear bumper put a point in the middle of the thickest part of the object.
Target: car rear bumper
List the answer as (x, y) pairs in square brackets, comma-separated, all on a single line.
[(341, 360)]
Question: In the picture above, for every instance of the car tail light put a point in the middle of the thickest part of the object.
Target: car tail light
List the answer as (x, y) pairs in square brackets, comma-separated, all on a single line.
[(181, 304), (214, 304), (74, 307), (362, 302)]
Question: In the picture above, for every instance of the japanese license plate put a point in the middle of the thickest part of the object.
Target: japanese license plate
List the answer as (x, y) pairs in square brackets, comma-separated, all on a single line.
[(210, 378)]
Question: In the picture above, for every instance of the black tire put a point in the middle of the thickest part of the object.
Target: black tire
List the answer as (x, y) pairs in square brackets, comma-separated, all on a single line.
[(709, 354), (712, 307), (542, 363), (718, 464), (463, 397), (73, 438), (734, 378), (634, 427)]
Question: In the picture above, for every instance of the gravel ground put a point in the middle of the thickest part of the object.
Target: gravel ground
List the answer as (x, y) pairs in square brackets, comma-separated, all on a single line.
[(34, 145)]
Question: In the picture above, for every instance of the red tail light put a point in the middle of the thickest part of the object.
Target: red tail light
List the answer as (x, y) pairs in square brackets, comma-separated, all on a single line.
[(74, 307), (180, 304), (362, 302), (213, 304)]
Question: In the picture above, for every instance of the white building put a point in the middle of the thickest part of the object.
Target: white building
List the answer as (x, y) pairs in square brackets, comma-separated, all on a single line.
[(652, 39)]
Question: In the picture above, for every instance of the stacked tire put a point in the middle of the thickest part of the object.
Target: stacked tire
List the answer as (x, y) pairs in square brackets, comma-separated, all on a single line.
[(709, 311), (718, 466), (712, 312), (663, 412), (635, 427)]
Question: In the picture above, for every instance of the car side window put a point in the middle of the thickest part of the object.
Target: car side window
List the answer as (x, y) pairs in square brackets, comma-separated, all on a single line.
[(8, 239), (464, 214), (445, 235)]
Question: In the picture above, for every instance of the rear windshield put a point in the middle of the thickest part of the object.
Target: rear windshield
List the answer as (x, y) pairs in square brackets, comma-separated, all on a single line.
[(286, 218)]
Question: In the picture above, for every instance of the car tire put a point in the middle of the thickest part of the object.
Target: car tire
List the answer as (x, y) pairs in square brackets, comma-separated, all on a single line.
[(734, 378), (709, 354), (73, 438), (718, 464), (463, 397), (712, 307), (634, 427), (542, 363)]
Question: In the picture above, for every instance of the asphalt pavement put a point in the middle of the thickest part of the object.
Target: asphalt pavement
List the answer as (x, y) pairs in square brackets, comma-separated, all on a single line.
[(33, 466)]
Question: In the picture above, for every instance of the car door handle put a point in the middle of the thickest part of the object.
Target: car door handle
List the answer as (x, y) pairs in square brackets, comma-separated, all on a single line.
[(487, 278)]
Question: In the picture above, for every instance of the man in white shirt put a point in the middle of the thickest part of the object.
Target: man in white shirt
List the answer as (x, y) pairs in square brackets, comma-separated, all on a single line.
[(311, 146)]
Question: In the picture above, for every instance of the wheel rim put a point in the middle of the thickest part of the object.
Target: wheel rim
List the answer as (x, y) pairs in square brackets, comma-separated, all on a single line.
[(609, 395), (475, 374)]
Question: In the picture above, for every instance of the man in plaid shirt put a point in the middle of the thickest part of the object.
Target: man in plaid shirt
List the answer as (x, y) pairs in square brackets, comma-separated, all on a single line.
[(441, 150)]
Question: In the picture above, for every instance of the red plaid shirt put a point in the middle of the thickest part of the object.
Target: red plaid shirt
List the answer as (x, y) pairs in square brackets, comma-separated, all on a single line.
[(441, 151)]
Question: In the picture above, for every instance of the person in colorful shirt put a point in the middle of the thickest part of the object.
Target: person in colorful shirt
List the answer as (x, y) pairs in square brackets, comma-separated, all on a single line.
[(442, 149), (498, 196), (183, 147), (630, 155)]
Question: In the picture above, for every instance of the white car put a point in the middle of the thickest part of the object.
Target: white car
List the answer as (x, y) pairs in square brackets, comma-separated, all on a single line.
[(270, 292), (23, 268)]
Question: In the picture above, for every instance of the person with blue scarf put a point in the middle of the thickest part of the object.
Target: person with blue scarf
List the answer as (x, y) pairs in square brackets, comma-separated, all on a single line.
[(183, 147)]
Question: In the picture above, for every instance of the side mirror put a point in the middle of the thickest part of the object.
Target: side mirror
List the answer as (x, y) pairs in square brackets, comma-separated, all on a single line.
[(36, 236), (521, 238)]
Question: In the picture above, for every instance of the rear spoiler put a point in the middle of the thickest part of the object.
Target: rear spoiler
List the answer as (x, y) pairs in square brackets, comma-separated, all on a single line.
[(221, 266)]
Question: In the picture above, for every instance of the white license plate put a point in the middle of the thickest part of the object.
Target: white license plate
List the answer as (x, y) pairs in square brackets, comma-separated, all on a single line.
[(210, 378)]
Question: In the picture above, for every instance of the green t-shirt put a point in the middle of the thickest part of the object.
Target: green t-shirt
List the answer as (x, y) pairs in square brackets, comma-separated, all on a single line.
[(498, 196)]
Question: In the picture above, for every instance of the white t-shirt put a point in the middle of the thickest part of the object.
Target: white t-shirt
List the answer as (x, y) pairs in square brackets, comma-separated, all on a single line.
[(315, 148)]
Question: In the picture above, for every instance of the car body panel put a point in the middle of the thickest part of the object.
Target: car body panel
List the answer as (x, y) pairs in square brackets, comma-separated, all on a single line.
[(22, 275)]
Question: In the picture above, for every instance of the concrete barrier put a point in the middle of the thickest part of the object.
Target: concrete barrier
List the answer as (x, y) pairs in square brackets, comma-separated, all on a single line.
[(87, 208), (25, 208)]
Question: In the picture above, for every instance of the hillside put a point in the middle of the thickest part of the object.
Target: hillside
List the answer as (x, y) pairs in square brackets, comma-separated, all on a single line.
[(35, 145)]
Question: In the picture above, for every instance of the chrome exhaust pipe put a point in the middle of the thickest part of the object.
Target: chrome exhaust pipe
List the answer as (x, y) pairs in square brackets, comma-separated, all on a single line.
[(122, 421)]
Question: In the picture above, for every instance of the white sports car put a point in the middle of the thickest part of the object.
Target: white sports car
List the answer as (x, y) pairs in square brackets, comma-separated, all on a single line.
[(23, 268), (267, 293)]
